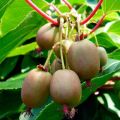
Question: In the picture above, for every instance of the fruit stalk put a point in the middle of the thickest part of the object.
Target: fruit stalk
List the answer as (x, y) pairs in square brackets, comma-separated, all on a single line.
[(60, 36), (44, 15), (48, 58), (92, 13), (56, 9), (68, 4)]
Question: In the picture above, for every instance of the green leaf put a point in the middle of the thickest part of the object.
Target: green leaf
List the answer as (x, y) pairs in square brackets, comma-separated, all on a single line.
[(104, 40), (111, 5), (113, 28), (101, 79), (4, 5), (13, 82), (115, 54), (16, 37), (7, 66), (22, 50), (51, 111), (77, 1), (16, 13), (10, 103)]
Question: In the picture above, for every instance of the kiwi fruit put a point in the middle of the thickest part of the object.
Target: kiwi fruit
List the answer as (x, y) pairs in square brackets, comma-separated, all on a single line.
[(65, 88), (35, 89), (102, 55), (47, 36), (83, 58), (56, 65)]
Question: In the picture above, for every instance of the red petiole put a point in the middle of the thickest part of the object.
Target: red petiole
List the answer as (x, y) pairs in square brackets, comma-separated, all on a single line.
[(98, 24), (68, 4), (92, 13), (43, 14)]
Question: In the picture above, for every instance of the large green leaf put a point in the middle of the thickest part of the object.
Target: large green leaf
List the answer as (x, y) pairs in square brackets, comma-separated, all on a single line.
[(13, 82), (10, 103), (3, 5), (111, 5), (16, 36)]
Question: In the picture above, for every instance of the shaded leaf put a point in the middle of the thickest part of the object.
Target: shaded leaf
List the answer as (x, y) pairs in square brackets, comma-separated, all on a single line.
[(10, 103), (7, 66)]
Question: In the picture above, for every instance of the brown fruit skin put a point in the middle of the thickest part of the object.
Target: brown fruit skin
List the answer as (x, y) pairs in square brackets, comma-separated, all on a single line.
[(56, 65), (35, 89), (102, 55), (66, 46), (47, 36), (83, 58), (65, 88)]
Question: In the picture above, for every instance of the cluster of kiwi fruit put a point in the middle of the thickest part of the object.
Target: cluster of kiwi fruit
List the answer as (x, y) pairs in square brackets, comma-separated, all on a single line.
[(82, 59)]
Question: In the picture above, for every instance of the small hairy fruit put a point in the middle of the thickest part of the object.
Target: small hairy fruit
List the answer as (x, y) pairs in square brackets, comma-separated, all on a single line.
[(65, 47), (56, 65), (83, 58), (65, 88), (47, 36), (35, 89), (102, 55)]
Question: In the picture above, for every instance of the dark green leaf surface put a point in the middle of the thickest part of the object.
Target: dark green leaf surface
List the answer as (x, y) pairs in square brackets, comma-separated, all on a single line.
[(10, 103), (7, 66)]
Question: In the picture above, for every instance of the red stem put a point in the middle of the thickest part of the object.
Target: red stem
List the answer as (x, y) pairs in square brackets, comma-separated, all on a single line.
[(68, 4), (41, 12), (98, 24), (92, 13)]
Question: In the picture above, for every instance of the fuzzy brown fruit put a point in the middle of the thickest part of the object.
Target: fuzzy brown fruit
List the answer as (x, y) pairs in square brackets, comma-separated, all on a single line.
[(65, 88), (83, 58), (35, 89), (102, 55), (65, 47), (47, 36), (56, 65)]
